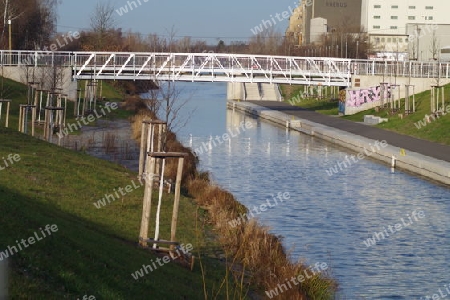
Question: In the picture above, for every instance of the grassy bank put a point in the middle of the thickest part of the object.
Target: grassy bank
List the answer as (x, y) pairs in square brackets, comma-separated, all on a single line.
[(295, 95), (94, 250), (436, 130), (18, 92)]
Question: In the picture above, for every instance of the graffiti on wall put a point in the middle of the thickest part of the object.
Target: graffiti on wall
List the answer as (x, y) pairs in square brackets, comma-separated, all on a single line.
[(357, 98)]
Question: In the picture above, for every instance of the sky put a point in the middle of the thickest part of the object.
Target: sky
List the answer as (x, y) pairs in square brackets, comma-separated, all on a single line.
[(211, 20)]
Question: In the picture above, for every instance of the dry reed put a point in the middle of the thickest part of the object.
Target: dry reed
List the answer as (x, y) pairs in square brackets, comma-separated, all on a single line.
[(248, 246)]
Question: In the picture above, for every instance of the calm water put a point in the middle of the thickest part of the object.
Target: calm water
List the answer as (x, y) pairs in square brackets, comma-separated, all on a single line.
[(328, 218)]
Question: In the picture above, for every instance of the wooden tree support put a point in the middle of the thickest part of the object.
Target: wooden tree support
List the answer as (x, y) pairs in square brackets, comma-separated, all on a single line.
[(8, 105), (23, 117), (53, 119), (38, 102), (383, 93), (90, 96), (147, 203), (437, 92), (32, 91), (150, 142), (76, 107), (410, 99), (393, 100)]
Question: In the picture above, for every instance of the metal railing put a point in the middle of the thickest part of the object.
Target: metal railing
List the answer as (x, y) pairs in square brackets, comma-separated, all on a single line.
[(220, 67)]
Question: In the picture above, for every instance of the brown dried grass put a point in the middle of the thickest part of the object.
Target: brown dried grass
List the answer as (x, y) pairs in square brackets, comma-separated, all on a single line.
[(249, 246)]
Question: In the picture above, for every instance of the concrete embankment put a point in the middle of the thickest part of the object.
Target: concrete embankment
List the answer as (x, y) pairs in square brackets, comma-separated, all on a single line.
[(405, 159)]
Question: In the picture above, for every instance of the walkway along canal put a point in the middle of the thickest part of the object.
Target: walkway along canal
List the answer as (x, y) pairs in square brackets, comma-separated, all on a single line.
[(382, 233)]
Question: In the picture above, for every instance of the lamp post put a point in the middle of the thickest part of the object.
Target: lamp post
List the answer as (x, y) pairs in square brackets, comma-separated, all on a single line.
[(10, 39), (357, 46), (346, 47)]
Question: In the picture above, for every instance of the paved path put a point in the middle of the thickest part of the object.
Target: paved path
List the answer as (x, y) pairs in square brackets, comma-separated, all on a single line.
[(427, 148)]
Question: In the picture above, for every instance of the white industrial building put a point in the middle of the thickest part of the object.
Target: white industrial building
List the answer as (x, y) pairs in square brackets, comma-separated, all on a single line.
[(417, 27), (397, 29)]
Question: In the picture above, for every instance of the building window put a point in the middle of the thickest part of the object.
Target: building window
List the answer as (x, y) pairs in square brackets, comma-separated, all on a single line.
[(394, 17), (394, 6), (394, 40), (412, 7), (411, 18), (388, 40), (429, 18), (393, 27), (382, 40), (377, 6), (376, 17), (377, 40), (400, 40), (376, 27), (428, 7)]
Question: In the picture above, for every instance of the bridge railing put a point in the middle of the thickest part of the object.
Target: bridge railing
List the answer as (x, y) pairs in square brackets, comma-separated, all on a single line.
[(179, 65), (419, 69), (35, 58)]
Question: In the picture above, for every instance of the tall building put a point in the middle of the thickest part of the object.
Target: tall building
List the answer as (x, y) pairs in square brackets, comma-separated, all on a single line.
[(415, 28), (295, 29), (337, 14)]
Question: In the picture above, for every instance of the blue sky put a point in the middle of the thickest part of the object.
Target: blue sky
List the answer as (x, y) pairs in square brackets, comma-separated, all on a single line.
[(226, 20)]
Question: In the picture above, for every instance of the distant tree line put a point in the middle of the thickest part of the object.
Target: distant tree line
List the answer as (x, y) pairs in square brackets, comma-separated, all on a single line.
[(34, 27), (33, 23)]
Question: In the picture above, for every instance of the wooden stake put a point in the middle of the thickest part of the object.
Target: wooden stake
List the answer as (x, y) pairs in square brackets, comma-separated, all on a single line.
[(158, 210), (147, 205), (7, 113), (176, 202), (142, 154)]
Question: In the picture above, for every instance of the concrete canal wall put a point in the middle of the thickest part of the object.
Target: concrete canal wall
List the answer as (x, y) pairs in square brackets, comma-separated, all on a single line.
[(429, 167)]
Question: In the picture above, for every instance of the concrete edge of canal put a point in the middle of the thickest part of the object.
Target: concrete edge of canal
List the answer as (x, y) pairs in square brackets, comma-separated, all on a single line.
[(413, 162)]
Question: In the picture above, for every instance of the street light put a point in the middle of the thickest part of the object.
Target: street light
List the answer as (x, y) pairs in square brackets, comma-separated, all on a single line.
[(357, 46), (10, 39), (346, 47)]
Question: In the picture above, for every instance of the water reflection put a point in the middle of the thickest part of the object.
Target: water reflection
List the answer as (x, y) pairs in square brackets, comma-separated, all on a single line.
[(328, 218)]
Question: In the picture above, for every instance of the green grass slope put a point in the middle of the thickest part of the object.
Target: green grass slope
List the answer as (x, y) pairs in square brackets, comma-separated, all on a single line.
[(94, 252)]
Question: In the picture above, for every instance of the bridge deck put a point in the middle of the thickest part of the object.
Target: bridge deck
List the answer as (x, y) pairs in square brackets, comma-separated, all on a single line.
[(219, 67)]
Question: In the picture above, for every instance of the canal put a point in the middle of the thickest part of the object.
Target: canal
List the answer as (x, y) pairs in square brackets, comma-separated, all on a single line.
[(328, 218)]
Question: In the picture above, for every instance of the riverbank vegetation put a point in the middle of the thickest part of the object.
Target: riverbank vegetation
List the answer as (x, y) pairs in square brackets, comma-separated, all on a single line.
[(255, 258), (95, 249), (94, 252)]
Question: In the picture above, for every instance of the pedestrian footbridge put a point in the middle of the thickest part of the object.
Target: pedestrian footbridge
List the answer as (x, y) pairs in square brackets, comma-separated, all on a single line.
[(218, 67), (195, 67)]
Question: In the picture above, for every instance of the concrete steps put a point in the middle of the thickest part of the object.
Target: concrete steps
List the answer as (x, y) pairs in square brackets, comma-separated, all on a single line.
[(252, 91), (261, 91), (269, 92)]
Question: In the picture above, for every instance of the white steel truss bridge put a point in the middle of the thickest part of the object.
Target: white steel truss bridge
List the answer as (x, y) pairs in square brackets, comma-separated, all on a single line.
[(218, 67)]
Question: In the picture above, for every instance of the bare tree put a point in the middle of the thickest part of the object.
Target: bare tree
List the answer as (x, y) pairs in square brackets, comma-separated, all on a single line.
[(267, 42), (184, 45), (102, 24), (434, 46)]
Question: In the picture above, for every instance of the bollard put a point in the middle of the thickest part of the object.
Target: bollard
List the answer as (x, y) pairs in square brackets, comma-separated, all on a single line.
[(393, 161)]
